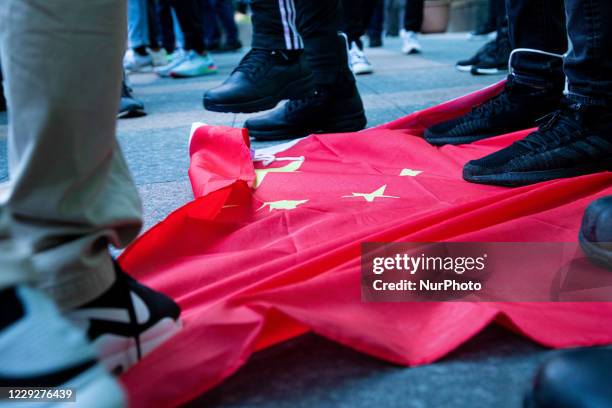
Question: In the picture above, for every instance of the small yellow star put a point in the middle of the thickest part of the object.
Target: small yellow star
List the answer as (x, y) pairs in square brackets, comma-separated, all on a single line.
[(260, 174), (282, 204), (410, 172), (370, 197)]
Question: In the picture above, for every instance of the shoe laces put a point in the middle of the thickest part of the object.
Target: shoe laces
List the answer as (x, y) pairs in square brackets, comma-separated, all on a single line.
[(255, 61), (493, 106), (554, 129)]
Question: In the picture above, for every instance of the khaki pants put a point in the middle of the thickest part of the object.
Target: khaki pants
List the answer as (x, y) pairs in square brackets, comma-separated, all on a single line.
[(70, 192)]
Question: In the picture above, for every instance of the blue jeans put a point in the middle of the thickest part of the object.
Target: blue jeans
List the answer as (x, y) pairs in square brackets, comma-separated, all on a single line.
[(545, 25), (138, 23)]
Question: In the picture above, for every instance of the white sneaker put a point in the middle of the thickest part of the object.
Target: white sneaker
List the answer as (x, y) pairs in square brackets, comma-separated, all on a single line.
[(40, 348), (194, 65), (358, 61), (410, 42), (134, 62), (159, 58), (175, 59)]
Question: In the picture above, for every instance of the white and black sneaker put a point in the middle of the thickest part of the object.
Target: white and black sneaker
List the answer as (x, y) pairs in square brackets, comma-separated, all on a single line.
[(40, 348), (127, 321), (358, 61)]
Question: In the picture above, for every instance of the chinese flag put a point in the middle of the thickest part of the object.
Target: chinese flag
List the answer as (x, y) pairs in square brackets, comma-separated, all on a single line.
[(270, 250)]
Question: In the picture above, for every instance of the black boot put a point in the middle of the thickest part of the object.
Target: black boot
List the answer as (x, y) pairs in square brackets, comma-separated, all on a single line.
[(596, 232), (573, 141), (517, 107), (261, 80), (483, 52), (325, 110), (496, 60), (574, 379)]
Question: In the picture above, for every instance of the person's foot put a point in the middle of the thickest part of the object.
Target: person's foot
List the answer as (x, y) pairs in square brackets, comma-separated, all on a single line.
[(375, 42), (596, 232), (573, 141), (325, 110), (127, 321), (194, 65), (358, 62), (40, 348), (174, 60), (230, 46), (517, 107), (134, 61), (2, 99), (159, 58), (577, 378), (410, 42), (494, 62), (129, 107), (482, 53), (261, 80)]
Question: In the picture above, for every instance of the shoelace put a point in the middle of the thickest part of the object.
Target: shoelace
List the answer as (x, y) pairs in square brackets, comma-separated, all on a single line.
[(555, 129), (254, 61)]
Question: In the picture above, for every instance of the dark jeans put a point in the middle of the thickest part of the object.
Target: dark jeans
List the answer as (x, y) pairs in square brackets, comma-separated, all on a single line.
[(356, 18), (164, 25), (413, 15), (215, 12), (541, 24), (189, 14), (309, 24), (375, 27)]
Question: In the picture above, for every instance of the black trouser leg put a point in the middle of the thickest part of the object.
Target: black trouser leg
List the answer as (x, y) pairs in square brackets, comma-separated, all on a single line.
[(537, 24), (375, 28), (588, 65), (274, 25), (189, 15), (163, 15), (356, 17), (318, 23), (413, 15)]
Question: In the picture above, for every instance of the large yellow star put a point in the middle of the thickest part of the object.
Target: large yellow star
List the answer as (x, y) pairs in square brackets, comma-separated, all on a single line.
[(410, 172), (260, 174), (370, 197), (282, 204)]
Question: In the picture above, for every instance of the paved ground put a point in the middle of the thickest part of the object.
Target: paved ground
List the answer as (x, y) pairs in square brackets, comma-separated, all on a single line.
[(490, 371)]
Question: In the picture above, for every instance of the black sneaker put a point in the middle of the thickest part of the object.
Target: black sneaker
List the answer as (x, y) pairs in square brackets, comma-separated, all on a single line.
[(574, 141), (484, 52), (496, 61), (230, 46), (517, 107), (573, 379), (323, 111), (40, 348), (596, 232), (129, 107), (261, 80), (127, 321)]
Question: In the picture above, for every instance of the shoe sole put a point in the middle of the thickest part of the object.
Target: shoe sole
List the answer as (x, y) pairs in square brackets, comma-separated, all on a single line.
[(353, 122), (412, 51), (119, 353), (595, 252), (488, 71), (459, 140), (514, 179), (94, 388), (173, 74), (366, 71), (293, 90), (463, 68), (134, 113)]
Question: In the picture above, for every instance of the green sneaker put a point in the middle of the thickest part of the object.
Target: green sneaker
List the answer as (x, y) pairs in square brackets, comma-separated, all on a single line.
[(194, 65)]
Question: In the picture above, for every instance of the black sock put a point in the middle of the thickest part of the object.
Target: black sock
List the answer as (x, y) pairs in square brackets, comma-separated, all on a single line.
[(11, 309), (142, 50)]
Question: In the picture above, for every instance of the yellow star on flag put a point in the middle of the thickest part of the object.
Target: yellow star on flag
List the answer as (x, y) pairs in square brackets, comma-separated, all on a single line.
[(260, 174), (370, 197), (410, 172), (282, 205)]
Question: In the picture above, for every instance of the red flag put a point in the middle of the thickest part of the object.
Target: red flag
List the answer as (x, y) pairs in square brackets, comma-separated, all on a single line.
[(269, 251)]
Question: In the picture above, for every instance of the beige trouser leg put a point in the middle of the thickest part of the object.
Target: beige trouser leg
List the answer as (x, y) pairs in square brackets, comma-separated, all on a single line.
[(70, 192)]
